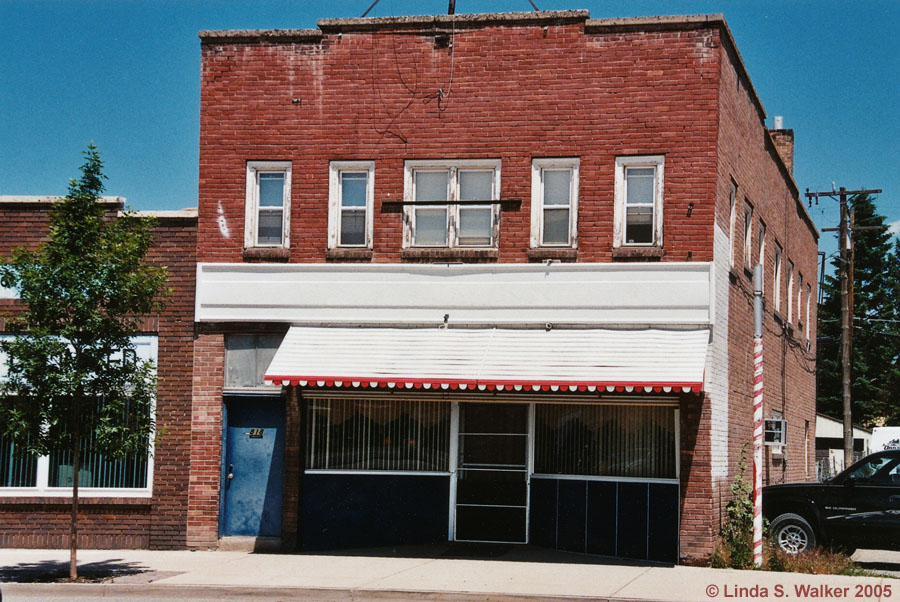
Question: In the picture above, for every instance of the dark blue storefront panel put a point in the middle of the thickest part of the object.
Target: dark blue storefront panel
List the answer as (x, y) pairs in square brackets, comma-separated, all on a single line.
[(543, 512), (663, 527), (632, 531), (601, 518), (572, 515), (358, 510), (626, 518)]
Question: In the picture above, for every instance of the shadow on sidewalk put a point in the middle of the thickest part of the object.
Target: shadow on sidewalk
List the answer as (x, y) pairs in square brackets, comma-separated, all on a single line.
[(49, 571), (485, 551)]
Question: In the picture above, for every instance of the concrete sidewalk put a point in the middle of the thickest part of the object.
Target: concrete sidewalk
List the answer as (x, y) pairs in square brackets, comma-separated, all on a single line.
[(549, 575)]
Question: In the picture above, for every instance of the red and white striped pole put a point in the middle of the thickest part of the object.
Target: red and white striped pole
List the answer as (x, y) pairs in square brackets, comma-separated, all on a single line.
[(757, 413)]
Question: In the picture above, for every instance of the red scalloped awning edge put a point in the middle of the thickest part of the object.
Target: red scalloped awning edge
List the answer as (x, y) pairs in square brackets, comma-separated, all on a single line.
[(485, 385)]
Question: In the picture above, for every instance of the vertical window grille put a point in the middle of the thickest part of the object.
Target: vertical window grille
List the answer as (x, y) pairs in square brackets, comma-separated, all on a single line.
[(358, 434), (17, 469), (605, 440)]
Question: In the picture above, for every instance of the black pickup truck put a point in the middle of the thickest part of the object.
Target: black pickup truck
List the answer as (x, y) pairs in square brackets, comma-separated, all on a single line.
[(859, 508)]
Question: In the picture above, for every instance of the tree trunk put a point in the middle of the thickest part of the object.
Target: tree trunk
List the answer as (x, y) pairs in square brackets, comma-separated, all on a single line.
[(73, 533)]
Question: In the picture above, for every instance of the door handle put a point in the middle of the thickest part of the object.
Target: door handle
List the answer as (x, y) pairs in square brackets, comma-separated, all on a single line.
[(230, 471)]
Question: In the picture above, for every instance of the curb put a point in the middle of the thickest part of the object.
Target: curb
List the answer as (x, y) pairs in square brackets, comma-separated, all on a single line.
[(242, 592)]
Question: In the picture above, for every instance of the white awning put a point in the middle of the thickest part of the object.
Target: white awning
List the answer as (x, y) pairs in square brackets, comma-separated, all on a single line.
[(492, 359)]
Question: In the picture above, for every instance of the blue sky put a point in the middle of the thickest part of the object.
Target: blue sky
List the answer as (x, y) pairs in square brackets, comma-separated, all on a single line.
[(125, 74)]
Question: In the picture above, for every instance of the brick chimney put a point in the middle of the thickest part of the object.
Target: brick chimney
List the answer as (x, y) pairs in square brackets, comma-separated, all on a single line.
[(784, 142)]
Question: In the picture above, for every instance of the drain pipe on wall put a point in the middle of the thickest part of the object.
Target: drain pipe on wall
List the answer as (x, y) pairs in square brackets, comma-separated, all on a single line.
[(757, 412)]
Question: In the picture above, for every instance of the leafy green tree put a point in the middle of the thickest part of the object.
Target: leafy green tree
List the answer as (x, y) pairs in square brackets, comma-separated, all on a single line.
[(875, 377), (73, 383)]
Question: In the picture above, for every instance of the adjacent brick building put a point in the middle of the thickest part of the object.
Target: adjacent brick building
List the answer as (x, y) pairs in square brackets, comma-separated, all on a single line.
[(143, 510)]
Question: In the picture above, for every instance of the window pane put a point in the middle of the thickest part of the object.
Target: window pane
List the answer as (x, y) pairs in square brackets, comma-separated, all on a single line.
[(557, 186), (352, 434), (353, 189), (431, 226), (639, 225), (353, 227), (615, 441), (639, 185), (247, 357), (16, 470), (475, 225), (431, 185), (556, 226), (97, 470), (476, 185), (269, 227), (271, 189)]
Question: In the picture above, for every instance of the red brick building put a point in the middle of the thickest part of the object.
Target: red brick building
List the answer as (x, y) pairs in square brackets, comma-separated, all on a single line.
[(138, 502), (474, 222)]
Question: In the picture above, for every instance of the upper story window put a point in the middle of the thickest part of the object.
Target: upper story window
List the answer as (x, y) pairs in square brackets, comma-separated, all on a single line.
[(268, 205), (790, 292), (808, 297), (761, 250), (800, 299), (639, 201), (350, 200), (776, 278), (748, 235), (732, 218), (554, 202), (443, 213)]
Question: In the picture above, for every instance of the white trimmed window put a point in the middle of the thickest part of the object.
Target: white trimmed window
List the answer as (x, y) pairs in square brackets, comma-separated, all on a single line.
[(554, 202), (790, 299), (639, 201), (461, 222), (732, 218), (776, 278), (808, 297), (268, 205), (52, 475), (800, 299), (748, 235), (351, 193)]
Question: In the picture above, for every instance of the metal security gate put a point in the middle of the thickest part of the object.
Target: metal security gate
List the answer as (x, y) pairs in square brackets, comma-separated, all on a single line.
[(492, 473)]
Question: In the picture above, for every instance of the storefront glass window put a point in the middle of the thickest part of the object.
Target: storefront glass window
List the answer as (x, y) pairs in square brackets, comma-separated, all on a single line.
[(351, 434), (605, 440)]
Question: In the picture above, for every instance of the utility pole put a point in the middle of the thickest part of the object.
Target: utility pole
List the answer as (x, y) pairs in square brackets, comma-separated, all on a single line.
[(845, 238)]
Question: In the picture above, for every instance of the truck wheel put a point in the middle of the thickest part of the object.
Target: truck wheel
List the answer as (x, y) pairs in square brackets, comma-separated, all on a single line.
[(793, 534)]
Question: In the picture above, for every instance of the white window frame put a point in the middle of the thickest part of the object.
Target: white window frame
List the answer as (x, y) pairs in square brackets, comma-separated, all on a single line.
[(454, 166), (799, 298), (150, 346), (254, 168), (808, 297), (732, 220), (776, 275), (790, 299), (658, 162), (748, 235), (537, 200), (335, 213), (762, 244)]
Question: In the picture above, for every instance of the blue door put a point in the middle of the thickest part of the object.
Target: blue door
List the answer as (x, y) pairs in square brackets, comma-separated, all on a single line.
[(253, 475)]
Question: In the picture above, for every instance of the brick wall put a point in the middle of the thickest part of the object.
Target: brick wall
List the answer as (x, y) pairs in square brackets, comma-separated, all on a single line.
[(517, 93), (750, 158), (160, 521), (206, 440)]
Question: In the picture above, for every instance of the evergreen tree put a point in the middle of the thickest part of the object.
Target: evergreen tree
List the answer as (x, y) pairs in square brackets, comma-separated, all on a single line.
[(72, 383), (875, 347)]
